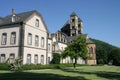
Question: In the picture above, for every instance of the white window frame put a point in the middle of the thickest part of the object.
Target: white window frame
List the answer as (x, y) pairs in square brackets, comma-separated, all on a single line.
[(28, 59), (49, 60), (36, 40), (37, 23), (4, 38), (11, 58), (42, 42), (13, 38), (29, 39), (49, 47), (36, 59), (2, 58), (42, 59)]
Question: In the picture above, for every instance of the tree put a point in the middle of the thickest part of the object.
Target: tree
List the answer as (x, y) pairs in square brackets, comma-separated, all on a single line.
[(102, 57), (114, 57), (56, 58), (76, 49)]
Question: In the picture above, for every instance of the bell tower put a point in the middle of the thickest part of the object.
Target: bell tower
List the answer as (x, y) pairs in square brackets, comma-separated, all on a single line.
[(75, 25)]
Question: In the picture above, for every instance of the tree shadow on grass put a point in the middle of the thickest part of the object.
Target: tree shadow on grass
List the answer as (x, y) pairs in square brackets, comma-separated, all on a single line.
[(103, 74), (36, 76)]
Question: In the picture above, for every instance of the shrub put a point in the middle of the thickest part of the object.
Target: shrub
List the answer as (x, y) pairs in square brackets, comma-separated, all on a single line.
[(4, 66), (49, 66), (56, 58)]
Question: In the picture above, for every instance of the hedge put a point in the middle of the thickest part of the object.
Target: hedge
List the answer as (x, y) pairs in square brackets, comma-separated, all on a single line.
[(4, 66), (50, 66)]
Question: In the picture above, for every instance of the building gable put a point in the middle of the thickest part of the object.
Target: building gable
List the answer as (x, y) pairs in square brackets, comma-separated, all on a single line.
[(31, 20)]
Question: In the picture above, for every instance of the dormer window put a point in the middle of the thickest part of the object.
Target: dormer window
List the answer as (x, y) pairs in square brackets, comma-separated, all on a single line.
[(37, 23), (13, 18)]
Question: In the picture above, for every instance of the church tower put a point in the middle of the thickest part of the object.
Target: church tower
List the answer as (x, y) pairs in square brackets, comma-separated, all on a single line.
[(73, 26)]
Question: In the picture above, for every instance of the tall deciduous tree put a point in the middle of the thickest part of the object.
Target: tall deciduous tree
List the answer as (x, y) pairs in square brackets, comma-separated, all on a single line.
[(76, 49)]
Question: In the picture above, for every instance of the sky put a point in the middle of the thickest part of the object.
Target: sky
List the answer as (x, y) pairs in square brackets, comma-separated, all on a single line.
[(101, 18)]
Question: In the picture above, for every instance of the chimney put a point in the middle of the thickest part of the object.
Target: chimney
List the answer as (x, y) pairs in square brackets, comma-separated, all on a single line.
[(13, 15)]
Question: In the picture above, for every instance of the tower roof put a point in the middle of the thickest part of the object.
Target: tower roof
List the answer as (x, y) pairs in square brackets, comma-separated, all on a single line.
[(73, 14)]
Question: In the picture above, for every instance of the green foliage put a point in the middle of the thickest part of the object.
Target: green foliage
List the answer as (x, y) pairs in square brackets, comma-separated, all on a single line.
[(114, 56), (36, 67), (81, 73), (50, 66), (4, 66), (76, 49), (16, 66), (56, 58), (103, 50)]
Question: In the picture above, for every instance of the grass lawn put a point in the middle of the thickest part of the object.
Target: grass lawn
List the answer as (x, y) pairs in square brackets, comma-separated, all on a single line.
[(80, 73)]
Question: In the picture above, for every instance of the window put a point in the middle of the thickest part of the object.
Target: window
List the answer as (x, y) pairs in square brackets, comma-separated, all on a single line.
[(11, 58), (78, 25), (36, 59), (73, 27), (2, 58), (4, 38), (29, 39), (73, 34), (53, 48), (36, 40), (91, 50), (73, 20), (37, 23), (48, 47), (42, 42), (13, 18), (13, 38), (28, 58), (49, 60), (79, 32), (42, 59)]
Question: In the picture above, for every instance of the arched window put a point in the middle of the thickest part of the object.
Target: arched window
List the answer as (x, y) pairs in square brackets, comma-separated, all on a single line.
[(4, 39), (42, 42), (2, 58), (91, 50), (12, 58), (13, 38), (29, 39), (28, 58), (36, 59), (49, 47), (37, 23), (49, 60), (42, 59), (36, 40)]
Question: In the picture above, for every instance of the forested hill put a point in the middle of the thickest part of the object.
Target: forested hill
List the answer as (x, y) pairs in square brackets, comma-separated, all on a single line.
[(101, 45), (103, 49)]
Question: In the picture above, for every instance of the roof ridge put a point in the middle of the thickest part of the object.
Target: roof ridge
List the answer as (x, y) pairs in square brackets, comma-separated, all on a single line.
[(21, 13)]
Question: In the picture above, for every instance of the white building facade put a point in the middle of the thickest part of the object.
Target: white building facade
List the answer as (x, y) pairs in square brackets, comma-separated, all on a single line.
[(24, 36)]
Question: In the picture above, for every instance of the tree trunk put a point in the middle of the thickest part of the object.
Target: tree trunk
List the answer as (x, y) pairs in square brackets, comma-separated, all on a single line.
[(74, 64), (86, 61)]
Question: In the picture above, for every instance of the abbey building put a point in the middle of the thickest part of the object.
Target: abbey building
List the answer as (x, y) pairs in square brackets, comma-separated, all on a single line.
[(25, 36)]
